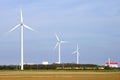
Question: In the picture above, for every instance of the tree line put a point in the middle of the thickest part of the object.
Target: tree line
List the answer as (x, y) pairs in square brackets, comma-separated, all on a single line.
[(49, 67)]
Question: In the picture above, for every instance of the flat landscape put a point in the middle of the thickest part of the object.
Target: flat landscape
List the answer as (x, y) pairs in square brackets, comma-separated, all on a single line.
[(51, 75)]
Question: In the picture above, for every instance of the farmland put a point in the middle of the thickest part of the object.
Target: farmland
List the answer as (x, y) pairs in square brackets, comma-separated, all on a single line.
[(58, 75)]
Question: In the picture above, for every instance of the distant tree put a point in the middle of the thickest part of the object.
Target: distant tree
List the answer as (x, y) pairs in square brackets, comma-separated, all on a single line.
[(107, 68)]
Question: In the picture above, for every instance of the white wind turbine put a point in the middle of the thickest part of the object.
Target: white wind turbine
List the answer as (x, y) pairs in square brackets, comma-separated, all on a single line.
[(77, 53), (59, 42), (22, 26)]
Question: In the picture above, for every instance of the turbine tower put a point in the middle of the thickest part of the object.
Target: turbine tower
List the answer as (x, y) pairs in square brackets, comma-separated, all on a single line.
[(58, 44), (109, 62), (77, 53), (22, 26)]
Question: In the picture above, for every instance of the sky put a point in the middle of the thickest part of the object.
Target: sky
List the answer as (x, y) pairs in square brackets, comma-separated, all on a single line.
[(93, 24)]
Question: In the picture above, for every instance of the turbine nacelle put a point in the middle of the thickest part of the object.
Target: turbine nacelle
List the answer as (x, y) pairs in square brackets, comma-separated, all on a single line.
[(77, 50), (59, 42), (21, 24)]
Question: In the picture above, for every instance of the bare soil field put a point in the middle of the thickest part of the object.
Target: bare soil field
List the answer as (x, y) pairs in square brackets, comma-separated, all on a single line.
[(26, 75)]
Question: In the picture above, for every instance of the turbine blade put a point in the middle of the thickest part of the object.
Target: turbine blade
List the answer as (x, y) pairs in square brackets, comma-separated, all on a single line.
[(74, 52), (14, 28), (57, 37), (64, 41), (56, 45), (77, 47), (28, 27), (21, 15)]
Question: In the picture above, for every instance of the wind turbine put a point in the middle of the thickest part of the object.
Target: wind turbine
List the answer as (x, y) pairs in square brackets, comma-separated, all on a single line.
[(58, 44), (22, 26), (77, 53)]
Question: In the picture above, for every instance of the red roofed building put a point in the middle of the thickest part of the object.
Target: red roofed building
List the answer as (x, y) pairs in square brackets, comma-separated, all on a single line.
[(112, 64)]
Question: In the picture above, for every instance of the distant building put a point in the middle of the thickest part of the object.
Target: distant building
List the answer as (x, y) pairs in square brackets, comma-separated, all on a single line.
[(45, 62), (112, 64), (28, 63), (57, 62)]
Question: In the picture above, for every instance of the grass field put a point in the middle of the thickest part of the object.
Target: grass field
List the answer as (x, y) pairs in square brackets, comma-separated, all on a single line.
[(58, 75)]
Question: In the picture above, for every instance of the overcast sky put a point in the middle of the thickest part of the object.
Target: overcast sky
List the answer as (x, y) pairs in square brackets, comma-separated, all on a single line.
[(93, 24)]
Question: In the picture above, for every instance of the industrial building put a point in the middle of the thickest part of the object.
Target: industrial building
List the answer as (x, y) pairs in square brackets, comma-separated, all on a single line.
[(112, 64)]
